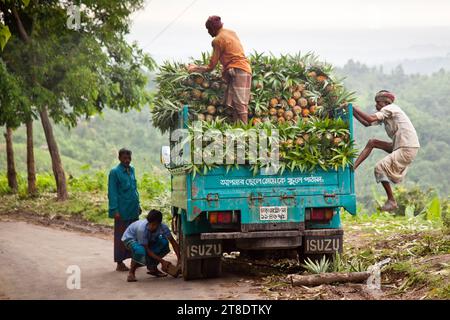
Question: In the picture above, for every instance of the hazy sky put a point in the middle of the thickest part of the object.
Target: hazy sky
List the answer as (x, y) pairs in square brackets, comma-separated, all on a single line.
[(366, 30)]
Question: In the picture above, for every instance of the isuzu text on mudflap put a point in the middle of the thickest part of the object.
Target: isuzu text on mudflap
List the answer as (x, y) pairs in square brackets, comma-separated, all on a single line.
[(237, 210)]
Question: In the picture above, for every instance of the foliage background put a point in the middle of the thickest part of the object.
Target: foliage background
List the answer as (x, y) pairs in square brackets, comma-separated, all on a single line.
[(92, 146)]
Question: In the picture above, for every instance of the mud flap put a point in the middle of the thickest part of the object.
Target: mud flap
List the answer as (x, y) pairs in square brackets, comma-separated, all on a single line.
[(326, 241), (202, 249)]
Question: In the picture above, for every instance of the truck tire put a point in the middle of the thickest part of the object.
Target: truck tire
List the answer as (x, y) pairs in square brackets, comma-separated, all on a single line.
[(212, 267), (190, 268)]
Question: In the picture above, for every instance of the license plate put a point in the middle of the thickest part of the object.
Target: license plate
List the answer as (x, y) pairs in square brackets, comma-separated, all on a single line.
[(323, 244), (273, 213)]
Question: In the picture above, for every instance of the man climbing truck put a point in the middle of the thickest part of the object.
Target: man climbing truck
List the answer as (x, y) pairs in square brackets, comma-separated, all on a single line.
[(223, 211)]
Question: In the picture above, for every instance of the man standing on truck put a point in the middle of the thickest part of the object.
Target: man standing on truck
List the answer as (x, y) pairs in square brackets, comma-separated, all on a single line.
[(123, 202), (402, 150), (236, 72), (148, 241)]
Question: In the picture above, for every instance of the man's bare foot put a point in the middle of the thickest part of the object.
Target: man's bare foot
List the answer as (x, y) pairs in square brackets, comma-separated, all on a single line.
[(131, 278), (122, 267), (389, 206)]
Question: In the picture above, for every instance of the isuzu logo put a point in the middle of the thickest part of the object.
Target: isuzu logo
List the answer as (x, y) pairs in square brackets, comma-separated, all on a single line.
[(205, 250), (323, 244)]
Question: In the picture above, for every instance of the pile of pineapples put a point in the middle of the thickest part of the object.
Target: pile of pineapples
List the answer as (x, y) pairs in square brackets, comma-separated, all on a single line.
[(295, 94)]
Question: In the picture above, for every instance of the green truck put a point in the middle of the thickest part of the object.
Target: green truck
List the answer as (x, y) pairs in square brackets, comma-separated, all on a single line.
[(237, 210)]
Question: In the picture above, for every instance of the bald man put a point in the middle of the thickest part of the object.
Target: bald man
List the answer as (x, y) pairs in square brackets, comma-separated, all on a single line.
[(402, 150)]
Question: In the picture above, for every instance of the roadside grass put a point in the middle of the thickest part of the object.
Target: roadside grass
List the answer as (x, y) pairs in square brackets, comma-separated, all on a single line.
[(419, 267), (419, 250), (87, 197)]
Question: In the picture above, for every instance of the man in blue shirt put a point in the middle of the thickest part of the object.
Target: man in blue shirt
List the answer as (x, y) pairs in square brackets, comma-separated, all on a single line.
[(148, 241), (123, 204)]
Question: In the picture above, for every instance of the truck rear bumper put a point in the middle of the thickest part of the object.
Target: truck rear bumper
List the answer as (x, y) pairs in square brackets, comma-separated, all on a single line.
[(259, 240), (314, 241), (251, 235)]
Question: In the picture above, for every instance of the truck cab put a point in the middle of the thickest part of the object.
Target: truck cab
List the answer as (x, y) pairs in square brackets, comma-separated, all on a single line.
[(238, 210)]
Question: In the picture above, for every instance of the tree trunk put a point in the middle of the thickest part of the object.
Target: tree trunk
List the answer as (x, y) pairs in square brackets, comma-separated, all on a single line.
[(11, 168), (57, 167), (31, 169), (324, 278)]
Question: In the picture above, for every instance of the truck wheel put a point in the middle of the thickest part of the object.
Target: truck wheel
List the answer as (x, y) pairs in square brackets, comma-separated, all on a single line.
[(212, 267), (190, 268)]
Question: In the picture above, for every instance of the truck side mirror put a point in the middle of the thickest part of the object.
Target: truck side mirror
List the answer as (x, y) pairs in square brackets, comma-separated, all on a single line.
[(165, 156)]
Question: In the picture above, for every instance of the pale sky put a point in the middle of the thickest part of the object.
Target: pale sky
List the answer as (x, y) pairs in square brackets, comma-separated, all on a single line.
[(366, 30)]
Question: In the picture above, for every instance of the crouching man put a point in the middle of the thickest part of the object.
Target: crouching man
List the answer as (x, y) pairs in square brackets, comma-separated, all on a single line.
[(148, 241), (401, 151)]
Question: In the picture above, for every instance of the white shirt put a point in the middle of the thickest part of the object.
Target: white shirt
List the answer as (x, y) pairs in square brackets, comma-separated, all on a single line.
[(398, 127)]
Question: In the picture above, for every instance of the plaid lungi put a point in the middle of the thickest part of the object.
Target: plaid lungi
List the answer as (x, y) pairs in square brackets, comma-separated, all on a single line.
[(237, 94), (120, 252), (137, 251)]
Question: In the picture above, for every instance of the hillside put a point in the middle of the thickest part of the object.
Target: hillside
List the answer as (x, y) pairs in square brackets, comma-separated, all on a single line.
[(94, 143), (426, 100)]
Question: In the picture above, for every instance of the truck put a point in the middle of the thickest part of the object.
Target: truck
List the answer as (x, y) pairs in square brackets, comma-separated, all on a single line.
[(222, 211)]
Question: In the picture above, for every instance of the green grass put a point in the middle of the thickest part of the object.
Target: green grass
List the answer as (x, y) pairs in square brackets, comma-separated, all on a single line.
[(87, 196), (418, 247)]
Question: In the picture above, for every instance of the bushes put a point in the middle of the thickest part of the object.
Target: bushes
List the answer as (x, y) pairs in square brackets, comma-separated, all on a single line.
[(152, 186), (414, 198), (88, 196), (88, 182), (149, 185)]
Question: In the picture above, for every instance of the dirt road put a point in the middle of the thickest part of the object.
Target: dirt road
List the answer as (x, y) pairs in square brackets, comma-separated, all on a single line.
[(34, 260)]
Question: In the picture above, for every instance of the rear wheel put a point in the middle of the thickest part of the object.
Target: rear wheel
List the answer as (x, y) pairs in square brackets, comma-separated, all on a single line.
[(212, 267), (196, 268), (190, 268)]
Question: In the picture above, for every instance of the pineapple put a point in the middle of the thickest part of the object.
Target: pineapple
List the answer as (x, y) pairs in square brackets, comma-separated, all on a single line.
[(288, 115), (297, 109), (299, 141), (256, 121), (291, 102), (196, 94), (211, 109), (296, 95), (337, 141), (303, 102), (199, 80), (273, 102)]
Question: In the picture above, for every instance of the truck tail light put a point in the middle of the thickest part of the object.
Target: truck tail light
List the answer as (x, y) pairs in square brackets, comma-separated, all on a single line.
[(222, 217), (321, 214)]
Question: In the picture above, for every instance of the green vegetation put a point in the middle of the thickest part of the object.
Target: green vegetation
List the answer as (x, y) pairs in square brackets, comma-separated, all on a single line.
[(426, 100), (285, 89), (88, 196), (93, 144)]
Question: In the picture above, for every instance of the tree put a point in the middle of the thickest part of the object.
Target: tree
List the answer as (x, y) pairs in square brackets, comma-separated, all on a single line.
[(70, 74), (12, 107)]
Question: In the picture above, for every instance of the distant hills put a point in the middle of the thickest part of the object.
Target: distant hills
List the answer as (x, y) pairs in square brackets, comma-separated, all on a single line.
[(421, 66)]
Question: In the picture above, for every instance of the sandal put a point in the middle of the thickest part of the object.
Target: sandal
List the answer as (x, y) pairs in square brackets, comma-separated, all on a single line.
[(122, 267), (157, 274)]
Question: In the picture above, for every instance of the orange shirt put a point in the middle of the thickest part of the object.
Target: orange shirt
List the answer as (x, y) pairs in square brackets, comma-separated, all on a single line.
[(228, 49)]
